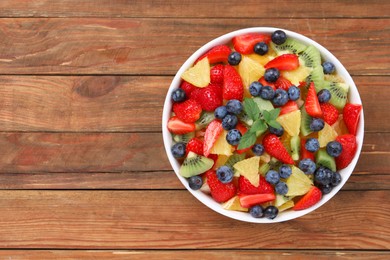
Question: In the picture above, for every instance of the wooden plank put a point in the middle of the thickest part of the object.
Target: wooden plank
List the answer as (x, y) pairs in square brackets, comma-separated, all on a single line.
[(114, 46), (141, 220), (186, 8)]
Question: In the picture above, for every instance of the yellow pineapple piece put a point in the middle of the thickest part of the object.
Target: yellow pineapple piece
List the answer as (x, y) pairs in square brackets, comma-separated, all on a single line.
[(289, 204), (340, 126), (250, 70), (262, 59), (281, 199), (326, 135), (222, 159), (297, 75), (291, 122), (298, 183), (221, 146), (199, 74), (249, 168), (234, 204)]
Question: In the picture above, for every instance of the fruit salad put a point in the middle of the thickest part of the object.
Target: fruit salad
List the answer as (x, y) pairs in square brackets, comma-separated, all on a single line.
[(263, 124)]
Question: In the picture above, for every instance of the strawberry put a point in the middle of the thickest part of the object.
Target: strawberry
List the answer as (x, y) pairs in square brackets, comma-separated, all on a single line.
[(305, 154), (312, 105), (187, 87), (213, 130), (351, 115), (232, 84), (329, 113), (187, 111), (289, 107), (284, 62), (349, 145), (274, 147), (176, 126), (242, 128), (283, 83), (245, 187), (219, 191), (195, 145), (248, 201), (245, 43), (313, 196), (209, 97), (216, 74), (216, 54)]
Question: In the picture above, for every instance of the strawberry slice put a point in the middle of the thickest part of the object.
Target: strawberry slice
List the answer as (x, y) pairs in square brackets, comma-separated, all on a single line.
[(232, 84), (187, 87), (188, 111), (195, 145), (213, 130), (283, 83), (351, 115), (209, 97), (216, 74), (312, 105), (311, 198), (248, 201), (329, 113), (289, 107), (274, 147), (349, 145), (219, 191), (305, 154), (245, 43), (284, 62), (216, 54), (245, 187), (176, 126)]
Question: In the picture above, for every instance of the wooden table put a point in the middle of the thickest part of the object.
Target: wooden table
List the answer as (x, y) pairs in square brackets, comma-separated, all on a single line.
[(83, 171)]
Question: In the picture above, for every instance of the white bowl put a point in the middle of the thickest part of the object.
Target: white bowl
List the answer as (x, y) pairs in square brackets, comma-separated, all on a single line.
[(354, 97)]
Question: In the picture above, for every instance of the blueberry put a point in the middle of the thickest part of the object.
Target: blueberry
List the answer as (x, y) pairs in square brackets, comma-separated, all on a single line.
[(225, 174), (220, 112), (280, 98), (195, 182), (324, 95), (271, 212), (276, 131), (307, 166), (178, 95), (260, 48), (234, 58), (258, 149), (325, 189), (285, 171), (312, 145), (267, 93), (293, 93), (229, 122), (336, 179), (272, 177), (281, 188), (316, 124), (334, 148), (256, 211), (233, 137), (329, 67), (271, 74), (254, 88), (178, 150), (323, 176), (278, 37), (234, 106)]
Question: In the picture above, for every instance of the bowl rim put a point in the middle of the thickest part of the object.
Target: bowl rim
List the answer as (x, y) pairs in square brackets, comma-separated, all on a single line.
[(354, 97)]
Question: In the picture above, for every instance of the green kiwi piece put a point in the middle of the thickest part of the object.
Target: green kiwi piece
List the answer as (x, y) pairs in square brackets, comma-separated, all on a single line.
[(263, 105), (295, 144), (244, 118), (324, 159), (183, 138), (339, 92), (233, 159), (317, 76), (305, 122), (264, 168), (204, 120), (195, 164), (290, 45), (311, 57)]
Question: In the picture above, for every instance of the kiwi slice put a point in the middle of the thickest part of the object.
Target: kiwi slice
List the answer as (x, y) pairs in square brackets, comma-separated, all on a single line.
[(204, 120), (305, 122), (295, 144), (243, 117), (311, 57), (290, 45), (317, 76), (195, 164), (324, 159), (233, 159), (339, 92), (264, 168), (183, 138), (263, 105)]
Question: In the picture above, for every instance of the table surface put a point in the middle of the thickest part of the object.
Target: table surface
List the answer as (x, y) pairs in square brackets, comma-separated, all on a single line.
[(83, 169)]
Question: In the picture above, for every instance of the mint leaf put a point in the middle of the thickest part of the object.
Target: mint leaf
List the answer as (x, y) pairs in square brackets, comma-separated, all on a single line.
[(251, 109), (274, 113), (248, 139), (258, 126), (274, 124), (266, 115)]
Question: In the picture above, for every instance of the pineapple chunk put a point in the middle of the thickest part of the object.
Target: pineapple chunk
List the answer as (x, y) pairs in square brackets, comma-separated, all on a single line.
[(298, 183), (250, 70), (291, 122), (297, 75), (221, 146), (199, 74), (234, 204), (326, 135), (249, 168)]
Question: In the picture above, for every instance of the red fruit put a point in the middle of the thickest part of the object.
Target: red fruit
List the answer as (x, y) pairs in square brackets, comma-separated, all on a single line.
[(248, 201), (305, 154), (176, 126), (245, 187), (349, 145), (209, 97), (283, 83), (274, 147), (312, 105), (242, 128), (232, 84), (266, 83), (351, 115), (213, 130), (245, 43), (284, 62), (216, 74), (329, 113), (187, 111), (219, 191), (216, 54), (289, 107), (195, 145), (311, 198), (187, 87)]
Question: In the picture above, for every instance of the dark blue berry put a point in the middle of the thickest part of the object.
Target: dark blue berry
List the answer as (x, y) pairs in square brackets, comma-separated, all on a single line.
[(254, 88), (195, 182), (260, 48), (258, 149), (294, 93), (234, 106), (256, 211), (307, 166), (312, 145), (317, 124), (336, 179), (225, 174), (272, 177), (229, 122), (234, 58), (276, 131), (233, 137), (220, 112), (178, 95), (271, 74), (325, 189), (285, 171), (178, 150), (271, 212), (329, 67), (280, 98), (324, 95), (281, 188), (334, 148), (323, 176), (267, 93), (278, 37)]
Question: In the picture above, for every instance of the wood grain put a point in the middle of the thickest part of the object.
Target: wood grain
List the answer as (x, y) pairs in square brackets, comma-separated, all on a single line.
[(144, 220), (160, 46)]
